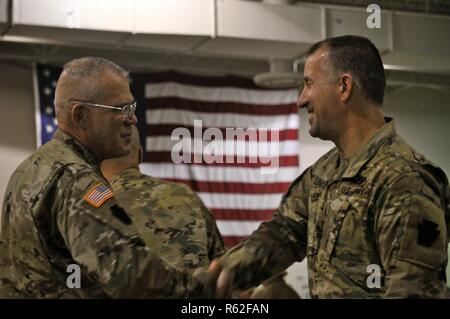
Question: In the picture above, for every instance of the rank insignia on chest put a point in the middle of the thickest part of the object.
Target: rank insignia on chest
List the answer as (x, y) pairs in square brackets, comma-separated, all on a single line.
[(98, 195)]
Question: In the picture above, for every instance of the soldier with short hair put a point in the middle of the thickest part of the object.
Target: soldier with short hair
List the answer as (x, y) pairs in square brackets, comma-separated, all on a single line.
[(170, 218), (372, 202), (59, 210)]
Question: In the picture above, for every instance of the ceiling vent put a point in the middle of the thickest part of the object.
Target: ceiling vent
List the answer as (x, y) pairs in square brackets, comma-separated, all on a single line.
[(283, 74)]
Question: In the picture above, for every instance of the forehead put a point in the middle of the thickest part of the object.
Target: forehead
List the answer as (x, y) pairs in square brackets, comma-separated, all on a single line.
[(315, 62), (117, 88), (115, 80)]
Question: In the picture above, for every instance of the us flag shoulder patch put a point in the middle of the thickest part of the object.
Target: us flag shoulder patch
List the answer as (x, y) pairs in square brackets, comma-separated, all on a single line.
[(98, 194)]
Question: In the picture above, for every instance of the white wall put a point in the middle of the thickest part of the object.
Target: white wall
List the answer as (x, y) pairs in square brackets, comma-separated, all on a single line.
[(423, 118), (17, 128)]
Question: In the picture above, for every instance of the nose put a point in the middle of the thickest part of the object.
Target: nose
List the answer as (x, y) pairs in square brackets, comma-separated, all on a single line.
[(301, 100), (132, 120)]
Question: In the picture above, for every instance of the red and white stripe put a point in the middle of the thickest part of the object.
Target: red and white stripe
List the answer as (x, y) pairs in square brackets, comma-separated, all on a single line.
[(238, 194)]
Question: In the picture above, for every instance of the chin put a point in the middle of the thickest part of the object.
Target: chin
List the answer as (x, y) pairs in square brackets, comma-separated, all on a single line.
[(313, 132), (124, 152), (119, 152)]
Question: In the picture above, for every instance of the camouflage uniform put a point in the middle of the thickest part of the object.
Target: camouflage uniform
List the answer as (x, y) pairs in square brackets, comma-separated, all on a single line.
[(170, 218), (386, 205), (47, 224)]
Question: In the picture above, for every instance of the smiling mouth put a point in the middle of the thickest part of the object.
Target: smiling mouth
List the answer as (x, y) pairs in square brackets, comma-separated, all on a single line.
[(311, 117), (126, 137)]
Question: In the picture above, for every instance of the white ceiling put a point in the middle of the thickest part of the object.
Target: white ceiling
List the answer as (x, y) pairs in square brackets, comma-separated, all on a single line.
[(223, 36)]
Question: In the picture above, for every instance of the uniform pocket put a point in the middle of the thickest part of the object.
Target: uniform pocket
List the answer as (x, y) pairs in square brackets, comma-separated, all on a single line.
[(336, 211), (350, 244)]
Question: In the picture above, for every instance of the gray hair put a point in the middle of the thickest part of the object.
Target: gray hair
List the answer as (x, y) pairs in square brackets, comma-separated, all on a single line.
[(82, 79), (93, 67), (88, 73)]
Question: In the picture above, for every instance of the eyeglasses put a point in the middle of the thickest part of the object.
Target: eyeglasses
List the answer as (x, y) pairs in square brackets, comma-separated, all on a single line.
[(127, 110)]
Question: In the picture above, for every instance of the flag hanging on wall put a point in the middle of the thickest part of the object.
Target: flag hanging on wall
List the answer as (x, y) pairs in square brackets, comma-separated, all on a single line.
[(45, 78), (233, 143)]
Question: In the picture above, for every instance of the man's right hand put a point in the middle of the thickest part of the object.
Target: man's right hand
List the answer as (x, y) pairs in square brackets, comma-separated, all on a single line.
[(224, 279), (208, 275)]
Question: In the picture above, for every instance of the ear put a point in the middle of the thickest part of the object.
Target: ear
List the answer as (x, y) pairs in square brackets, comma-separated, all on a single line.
[(78, 114), (345, 87)]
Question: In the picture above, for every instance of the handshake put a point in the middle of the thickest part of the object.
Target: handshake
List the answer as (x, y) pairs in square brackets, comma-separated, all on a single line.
[(222, 282), (216, 280)]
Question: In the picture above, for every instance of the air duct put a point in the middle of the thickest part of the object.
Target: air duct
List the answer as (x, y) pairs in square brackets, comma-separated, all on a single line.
[(283, 74)]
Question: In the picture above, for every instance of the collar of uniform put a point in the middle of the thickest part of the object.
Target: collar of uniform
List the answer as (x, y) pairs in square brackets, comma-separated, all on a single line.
[(370, 148), (131, 171), (77, 147)]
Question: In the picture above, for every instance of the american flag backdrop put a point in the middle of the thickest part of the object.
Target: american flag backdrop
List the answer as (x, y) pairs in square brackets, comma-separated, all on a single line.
[(234, 186), (45, 78)]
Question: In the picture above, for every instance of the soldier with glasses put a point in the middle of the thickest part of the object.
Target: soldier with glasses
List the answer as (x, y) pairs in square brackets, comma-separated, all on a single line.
[(60, 211)]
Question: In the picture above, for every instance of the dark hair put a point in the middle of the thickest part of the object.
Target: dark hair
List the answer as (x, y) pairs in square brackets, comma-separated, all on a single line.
[(360, 57)]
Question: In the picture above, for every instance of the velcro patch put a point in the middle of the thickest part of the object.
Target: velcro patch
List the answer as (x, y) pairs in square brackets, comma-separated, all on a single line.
[(120, 214), (98, 195), (427, 233)]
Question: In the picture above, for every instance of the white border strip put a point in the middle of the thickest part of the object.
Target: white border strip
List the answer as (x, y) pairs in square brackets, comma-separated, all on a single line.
[(241, 201), (236, 227), (187, 118), (219, 174), (222, 147), (220, 94)]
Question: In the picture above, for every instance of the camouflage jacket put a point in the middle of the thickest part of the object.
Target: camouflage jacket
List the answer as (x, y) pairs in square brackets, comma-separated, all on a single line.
[(382, 213), (171, 219), (58, 210)]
